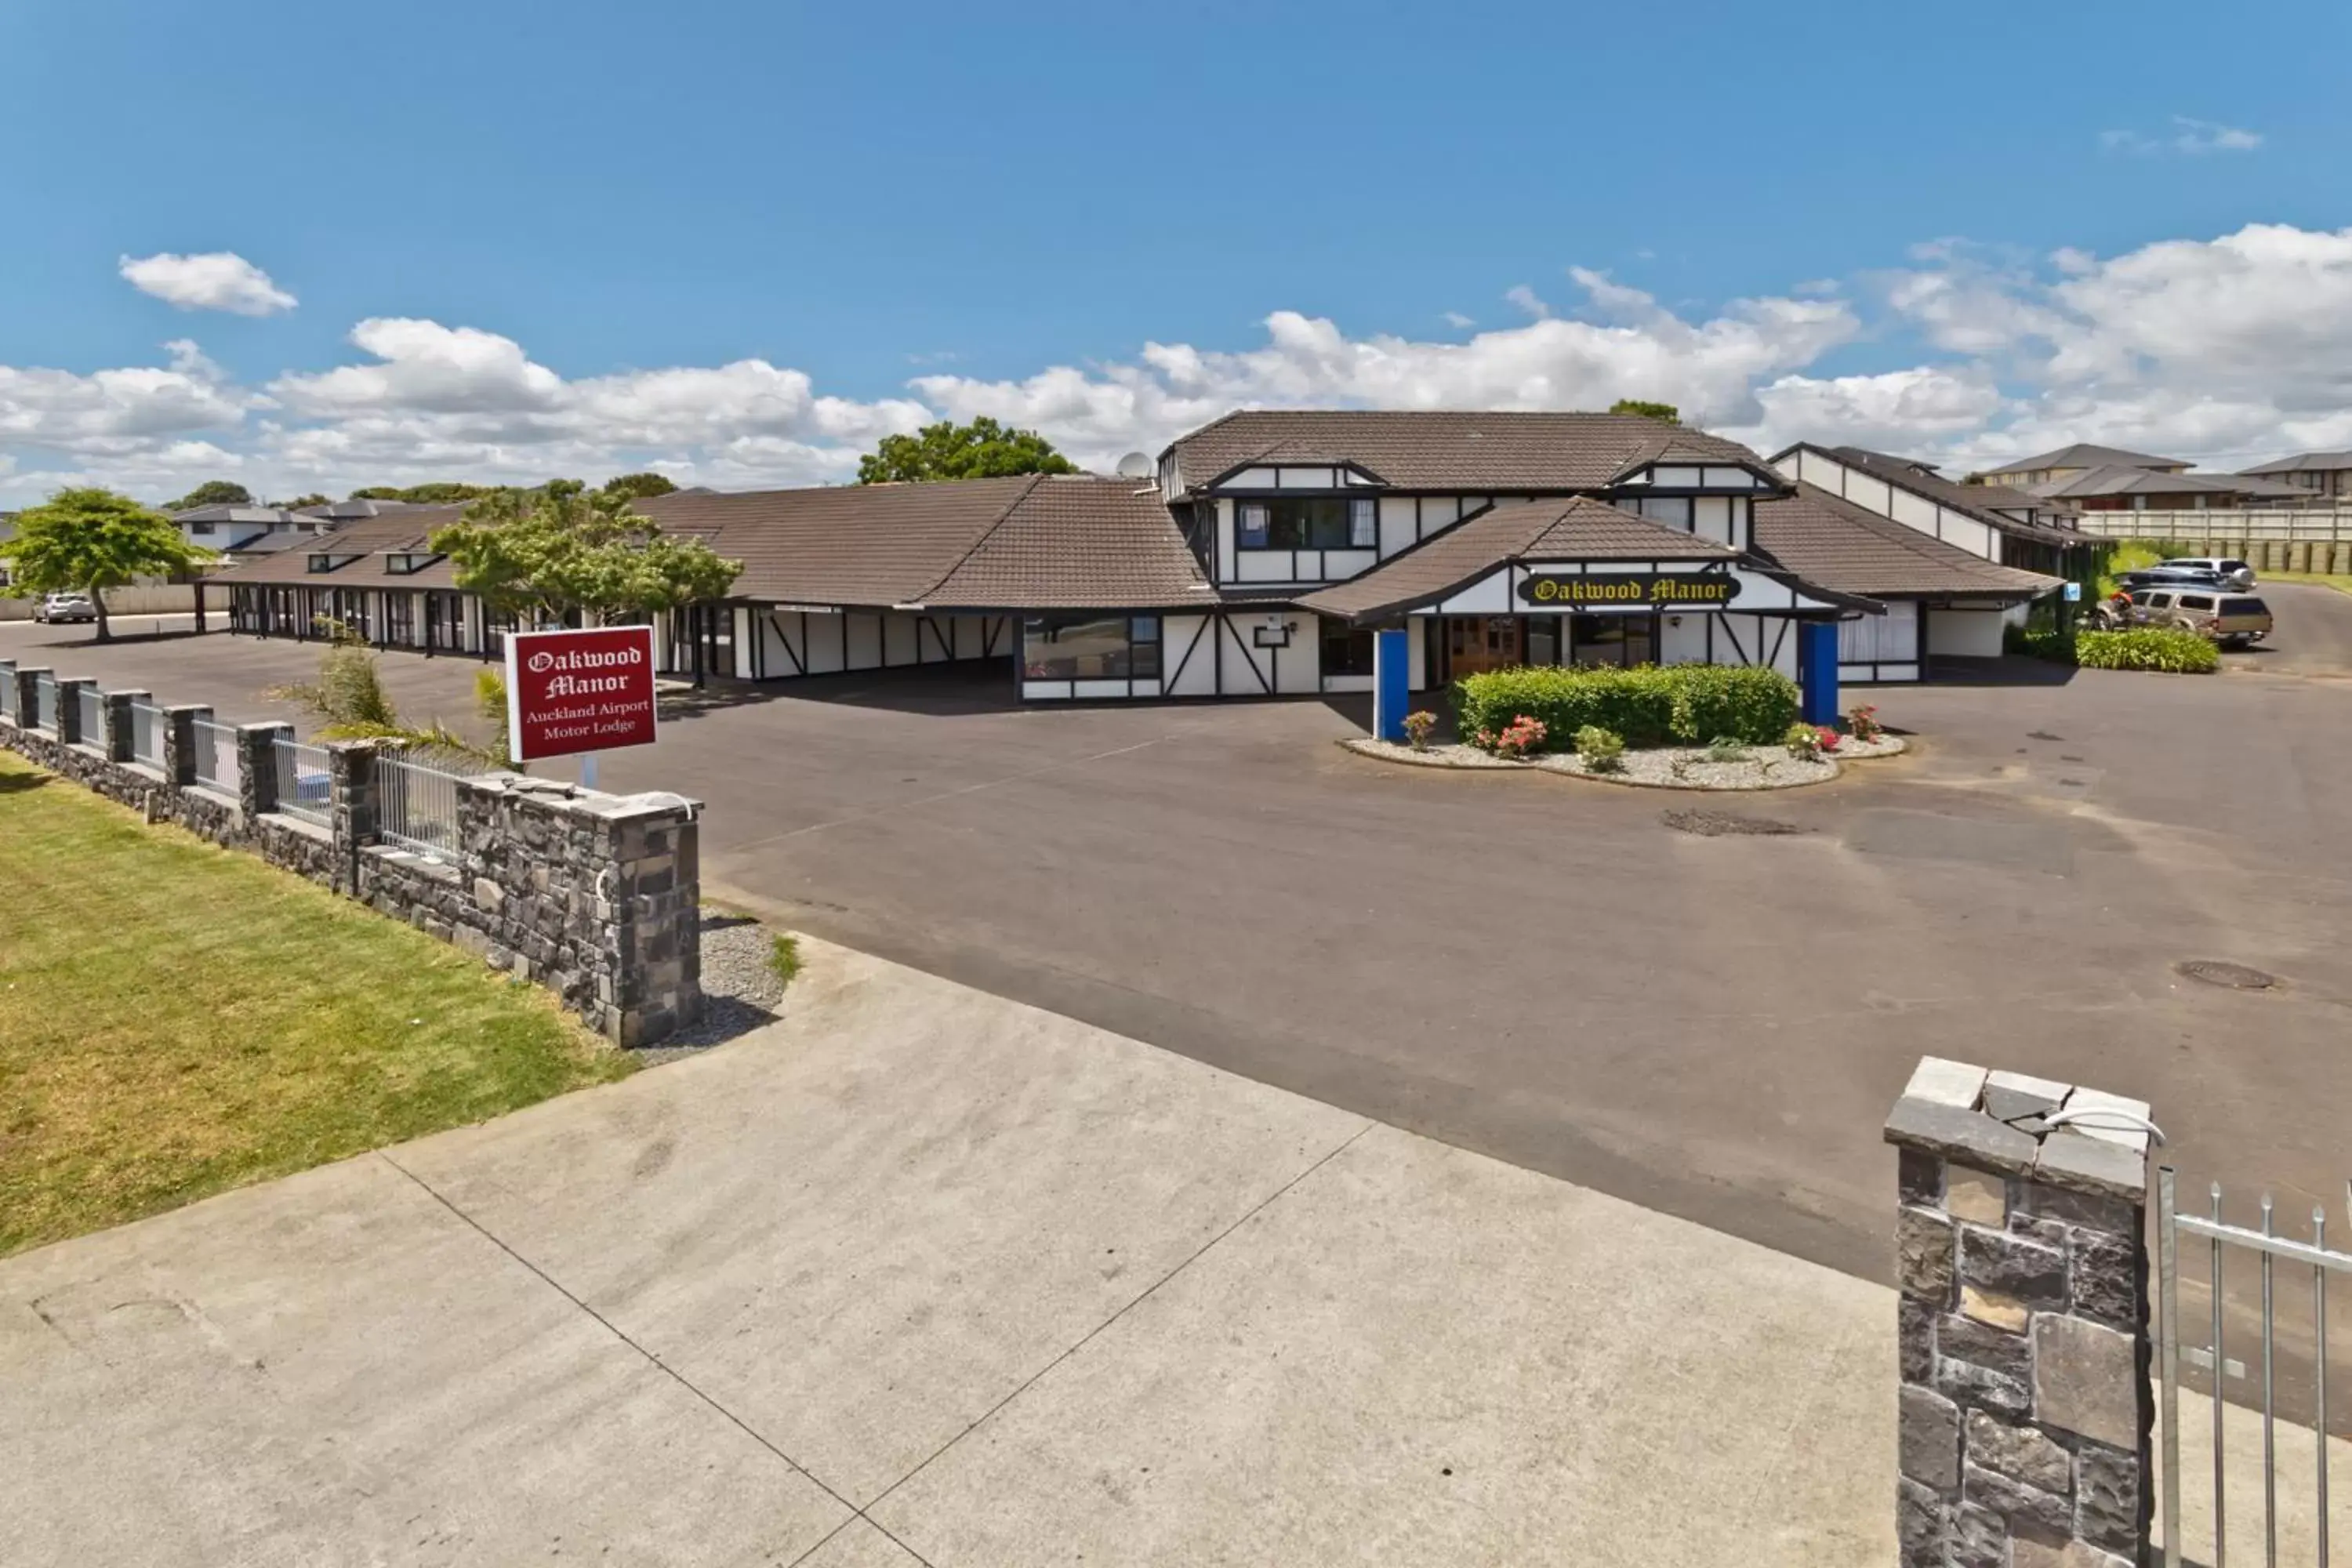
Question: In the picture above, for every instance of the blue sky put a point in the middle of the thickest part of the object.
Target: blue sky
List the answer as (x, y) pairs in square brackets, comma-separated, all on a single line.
[(869, 194)]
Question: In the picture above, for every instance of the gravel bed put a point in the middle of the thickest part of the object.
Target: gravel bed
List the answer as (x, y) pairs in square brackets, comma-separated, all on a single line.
[(1661, 767), (739, 990)]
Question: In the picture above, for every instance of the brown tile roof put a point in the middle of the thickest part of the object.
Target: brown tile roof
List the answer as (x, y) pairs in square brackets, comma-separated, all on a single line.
[(370, 539), (1843, 546), (1579, 530), (1074, 543), (1434, 450)]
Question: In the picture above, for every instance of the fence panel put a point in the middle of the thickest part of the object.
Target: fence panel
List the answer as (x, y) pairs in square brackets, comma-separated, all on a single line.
[(147, 734), (215, 767), (2175, 1343), (416, 808), (89, 707), (8, 693), (302, 783), (45, 703)]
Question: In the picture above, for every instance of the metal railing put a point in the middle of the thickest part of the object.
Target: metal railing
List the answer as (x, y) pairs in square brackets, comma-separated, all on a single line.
[(8, 692), (416, 808), (147, 734), (2270, 1248), (89, 708), (216, 756), (45, 703), (302, 783)]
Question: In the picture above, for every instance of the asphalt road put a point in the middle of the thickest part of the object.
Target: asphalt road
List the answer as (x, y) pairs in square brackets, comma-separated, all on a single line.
[(1544, 970)]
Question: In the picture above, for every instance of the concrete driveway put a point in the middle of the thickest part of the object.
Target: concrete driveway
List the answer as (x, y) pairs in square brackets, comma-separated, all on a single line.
[(923, 1275), (1542, 970)]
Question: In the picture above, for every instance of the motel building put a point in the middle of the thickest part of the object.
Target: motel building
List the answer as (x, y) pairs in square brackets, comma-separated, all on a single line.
[(1284, 554)]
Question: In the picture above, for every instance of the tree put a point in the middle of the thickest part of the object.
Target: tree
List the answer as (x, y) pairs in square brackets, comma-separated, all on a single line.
[(314, 498), (640, 487), (88, 541), (537, 554), (1662, 411), (983, 449), (212, 493), (351, 704), (441, 492)]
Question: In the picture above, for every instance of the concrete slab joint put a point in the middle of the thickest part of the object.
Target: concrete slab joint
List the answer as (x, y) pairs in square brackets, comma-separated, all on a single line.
[(2025, 1419)]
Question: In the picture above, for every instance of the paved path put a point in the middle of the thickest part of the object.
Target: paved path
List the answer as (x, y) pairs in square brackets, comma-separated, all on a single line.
[(918, 1275)]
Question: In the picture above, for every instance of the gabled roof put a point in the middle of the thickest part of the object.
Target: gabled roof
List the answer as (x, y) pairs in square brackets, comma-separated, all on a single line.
[(2086, 454), (2304, 463), (1579, 529), (358, 506), (367, 541), (1825, 539), (1992, 505), (1450, 451), (2117, 480), (1079, 542)]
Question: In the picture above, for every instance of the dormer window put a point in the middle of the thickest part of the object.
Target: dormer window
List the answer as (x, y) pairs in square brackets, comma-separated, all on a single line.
[(1309, 522), (320, 563), (401, 563)]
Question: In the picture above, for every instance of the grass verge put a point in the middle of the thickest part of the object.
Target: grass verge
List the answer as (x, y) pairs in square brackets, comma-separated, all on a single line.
[(176, 1019), (2335, 580)]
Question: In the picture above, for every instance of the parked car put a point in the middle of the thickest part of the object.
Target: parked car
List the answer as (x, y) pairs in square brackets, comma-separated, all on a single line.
[(2235, 572), (55, 608), (2234, 620), (2172, 576)]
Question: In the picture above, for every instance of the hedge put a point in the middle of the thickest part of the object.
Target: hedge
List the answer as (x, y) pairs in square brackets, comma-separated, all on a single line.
[(2148, 647), (1683, 704)]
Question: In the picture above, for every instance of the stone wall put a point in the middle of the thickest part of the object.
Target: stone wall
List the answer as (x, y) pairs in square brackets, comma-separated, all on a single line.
[(2026, 1414), (593, 896)]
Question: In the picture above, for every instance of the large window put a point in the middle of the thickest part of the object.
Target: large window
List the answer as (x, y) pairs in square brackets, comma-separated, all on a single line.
[(1118, 648), (1346, 650), (1310, 522)]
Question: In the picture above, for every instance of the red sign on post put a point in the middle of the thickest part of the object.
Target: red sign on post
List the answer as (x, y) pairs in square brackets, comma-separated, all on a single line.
[(570, 693)]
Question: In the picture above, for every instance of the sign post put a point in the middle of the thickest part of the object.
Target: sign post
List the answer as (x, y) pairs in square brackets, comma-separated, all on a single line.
[(577, 693)]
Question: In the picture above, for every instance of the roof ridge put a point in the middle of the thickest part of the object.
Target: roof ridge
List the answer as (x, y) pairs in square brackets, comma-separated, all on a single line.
[(987, 532)]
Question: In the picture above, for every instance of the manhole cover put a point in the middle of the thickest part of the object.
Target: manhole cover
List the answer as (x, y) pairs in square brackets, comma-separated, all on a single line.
[(1716, 823), (2236, 976)]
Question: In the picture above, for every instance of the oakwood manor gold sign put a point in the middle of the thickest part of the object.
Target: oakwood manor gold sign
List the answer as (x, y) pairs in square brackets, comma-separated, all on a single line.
[(1630, 590)]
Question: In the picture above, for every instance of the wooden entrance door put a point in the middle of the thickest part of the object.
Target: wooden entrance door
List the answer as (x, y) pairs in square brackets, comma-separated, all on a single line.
[(1475, 643)]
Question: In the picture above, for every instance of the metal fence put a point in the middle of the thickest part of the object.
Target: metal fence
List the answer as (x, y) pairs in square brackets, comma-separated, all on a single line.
[(147, 734), (215, 759), (416, 808), (45, 703), (8, 692), (89, 708), (2270, 1249), (302, 783)]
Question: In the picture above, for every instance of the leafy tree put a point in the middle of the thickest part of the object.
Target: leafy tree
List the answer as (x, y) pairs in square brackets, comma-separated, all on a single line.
[(86, 541), (349, 702), (640, 487), (983, 449), (537, 554), (212, 493), (314, 498), (441, 492), (1665, 411)]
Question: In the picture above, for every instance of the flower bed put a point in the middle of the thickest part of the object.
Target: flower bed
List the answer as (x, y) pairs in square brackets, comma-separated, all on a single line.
[(1657, 767)]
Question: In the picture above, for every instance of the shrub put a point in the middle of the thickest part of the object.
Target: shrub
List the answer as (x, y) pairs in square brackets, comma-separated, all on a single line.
[(1803, 740), (1518, 738), (2040, 642), (1864, 722), (1726, 749), (1683, 704), (1603, 751), (1417, 726), (2148, 647)]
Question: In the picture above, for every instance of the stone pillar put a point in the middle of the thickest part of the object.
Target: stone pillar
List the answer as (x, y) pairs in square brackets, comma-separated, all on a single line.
[(2026, 1416), (70, 712), (117, 723), (257, 766), (180, 744), (652, 913), (350, 791)]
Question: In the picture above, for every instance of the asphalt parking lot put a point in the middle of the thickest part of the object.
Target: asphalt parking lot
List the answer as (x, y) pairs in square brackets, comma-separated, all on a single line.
[(1542, 969)]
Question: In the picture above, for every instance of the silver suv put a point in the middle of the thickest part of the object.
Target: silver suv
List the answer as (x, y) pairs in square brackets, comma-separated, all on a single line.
[(2236, 573)]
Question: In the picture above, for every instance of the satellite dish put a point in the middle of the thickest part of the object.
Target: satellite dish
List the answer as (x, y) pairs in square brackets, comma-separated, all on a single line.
[(1135, 466)]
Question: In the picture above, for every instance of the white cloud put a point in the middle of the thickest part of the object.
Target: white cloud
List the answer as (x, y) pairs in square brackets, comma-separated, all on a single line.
[(2193, 137), (2218, 350), (217, 281), (1525, 299), (1457, 319)]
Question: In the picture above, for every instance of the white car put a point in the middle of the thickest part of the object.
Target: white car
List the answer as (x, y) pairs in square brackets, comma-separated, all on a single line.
[(2235, 572), (59, 607)]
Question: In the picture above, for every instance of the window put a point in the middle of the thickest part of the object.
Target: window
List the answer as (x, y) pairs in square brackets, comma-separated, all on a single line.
[(1310, 522), (2195, 602), (1115, 647), (1346, 650), (200, 528)]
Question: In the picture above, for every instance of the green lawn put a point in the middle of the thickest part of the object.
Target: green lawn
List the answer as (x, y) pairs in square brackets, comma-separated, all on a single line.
[(176, 1019), (2337, 581)]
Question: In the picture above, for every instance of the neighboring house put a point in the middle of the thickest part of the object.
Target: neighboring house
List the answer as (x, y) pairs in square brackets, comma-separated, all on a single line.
[(2117, 488), (231, 529), (2073, 462), (342, 511), (1261, 561), (2322, 474)]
